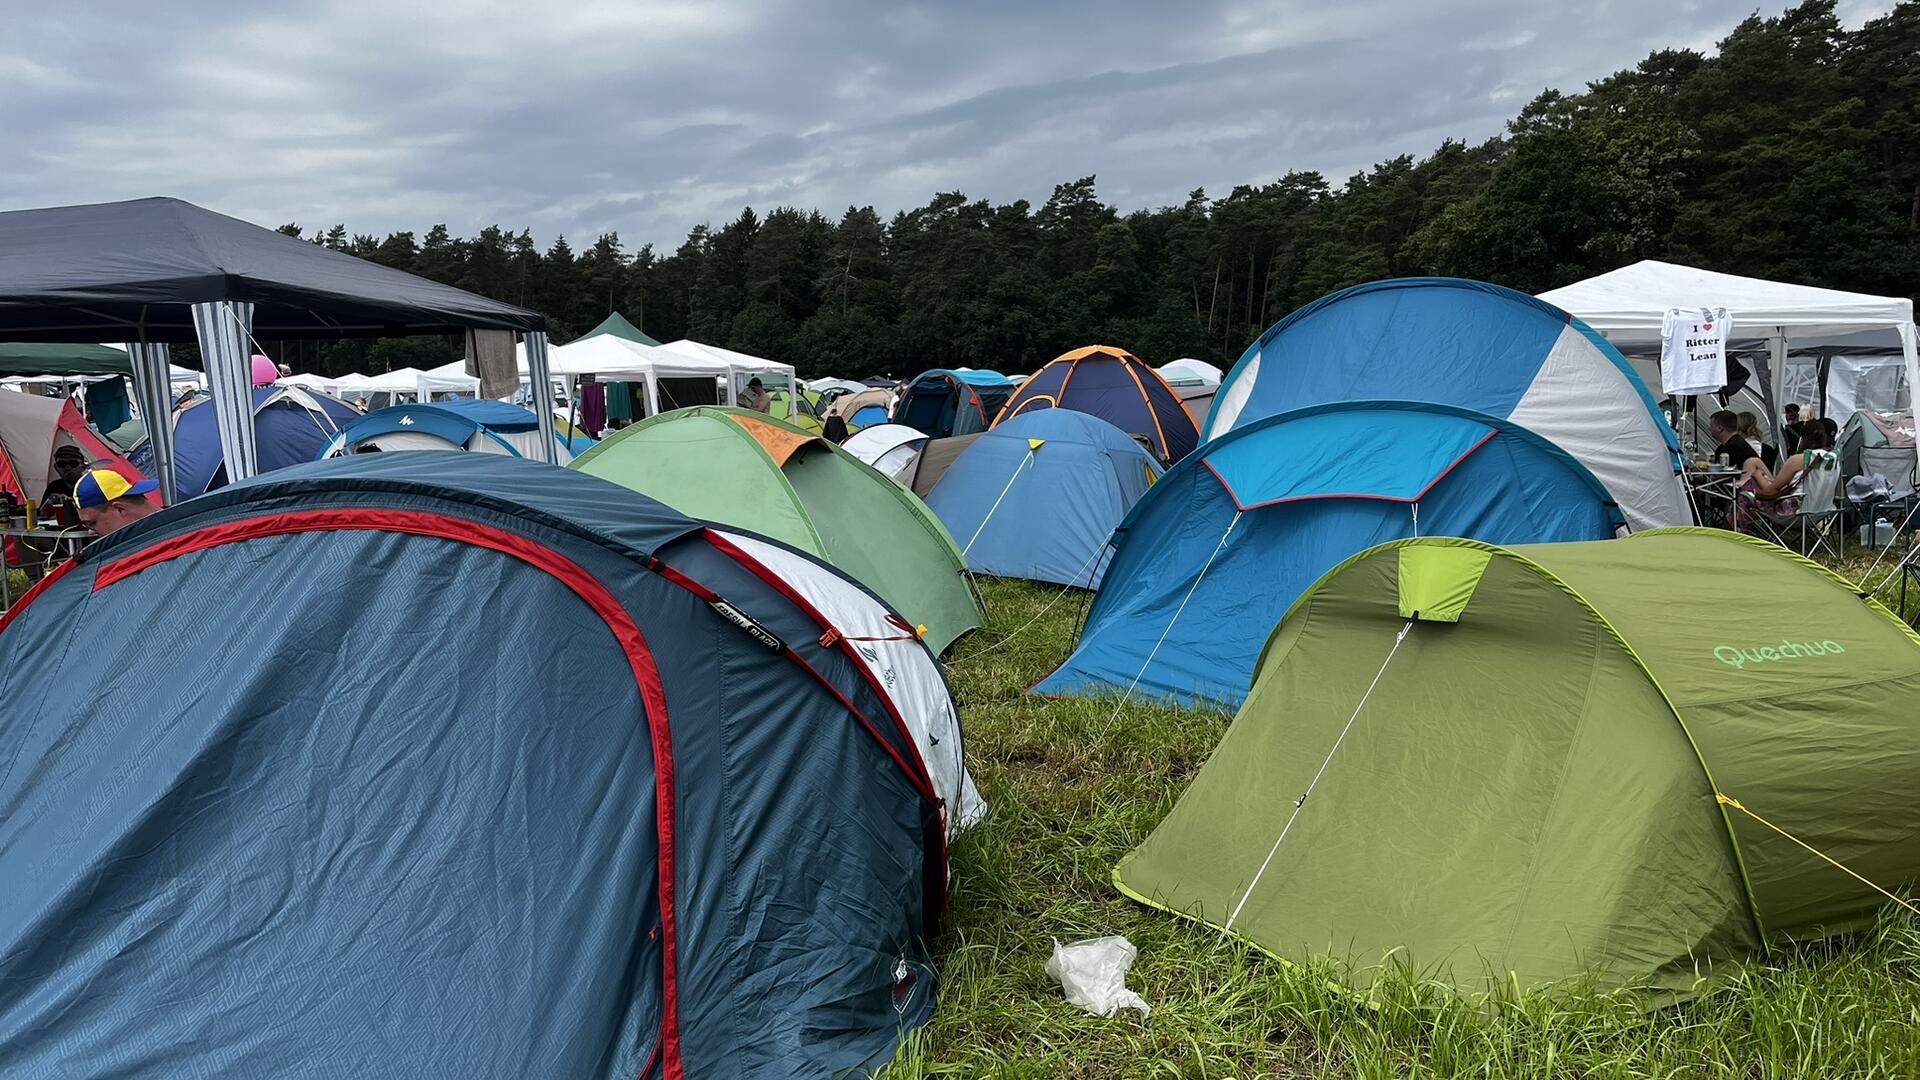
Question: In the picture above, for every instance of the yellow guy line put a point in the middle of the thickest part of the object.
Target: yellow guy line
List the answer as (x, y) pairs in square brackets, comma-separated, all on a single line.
[(1728, 800)]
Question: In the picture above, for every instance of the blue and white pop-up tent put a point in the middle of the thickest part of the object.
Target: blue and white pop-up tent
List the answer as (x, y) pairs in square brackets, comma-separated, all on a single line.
[(1478, 346), (1038, 496), (1214, 555), (481, 426), (462, 765)]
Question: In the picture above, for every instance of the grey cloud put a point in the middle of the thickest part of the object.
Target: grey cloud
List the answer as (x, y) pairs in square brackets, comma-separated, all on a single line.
[(651, 117)]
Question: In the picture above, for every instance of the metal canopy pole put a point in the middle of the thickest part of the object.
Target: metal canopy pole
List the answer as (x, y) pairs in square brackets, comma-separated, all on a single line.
[(153, 390), (225, 331), (542, 394)]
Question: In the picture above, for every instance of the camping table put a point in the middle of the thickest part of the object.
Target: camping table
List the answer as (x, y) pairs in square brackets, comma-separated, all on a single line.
[(71, 539), (1705, 486)]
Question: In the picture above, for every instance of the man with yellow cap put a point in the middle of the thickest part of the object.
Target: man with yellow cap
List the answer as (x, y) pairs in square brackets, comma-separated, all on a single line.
[(109, 501)]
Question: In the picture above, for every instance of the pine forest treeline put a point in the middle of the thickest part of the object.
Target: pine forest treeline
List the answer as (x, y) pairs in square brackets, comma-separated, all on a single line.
[(1792, 152)]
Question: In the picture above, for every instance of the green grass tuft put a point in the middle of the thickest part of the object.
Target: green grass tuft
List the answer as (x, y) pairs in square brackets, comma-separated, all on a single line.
[(1074, 784)]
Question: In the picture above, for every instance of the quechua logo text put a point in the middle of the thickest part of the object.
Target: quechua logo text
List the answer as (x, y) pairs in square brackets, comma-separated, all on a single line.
[(1736, 656)]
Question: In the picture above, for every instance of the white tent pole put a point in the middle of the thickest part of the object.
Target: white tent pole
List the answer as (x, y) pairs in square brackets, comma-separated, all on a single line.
[(537, 370), (223, 329), (653, 393)]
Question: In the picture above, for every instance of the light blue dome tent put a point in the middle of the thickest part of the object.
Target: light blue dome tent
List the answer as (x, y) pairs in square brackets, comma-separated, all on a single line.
[(1038, 496), (487, 427), (1476, 346), (1219, 549)]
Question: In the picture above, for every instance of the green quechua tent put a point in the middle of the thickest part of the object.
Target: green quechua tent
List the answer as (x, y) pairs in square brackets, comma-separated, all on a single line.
[(745, 469), (1509, 764)]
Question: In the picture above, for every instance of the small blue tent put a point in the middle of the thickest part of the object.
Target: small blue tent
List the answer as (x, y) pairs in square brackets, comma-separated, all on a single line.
[(490, 427), (1038, 496), (1213, 556), (1477, 346), (1116, 386), (459, 765), (942, 402), (290, 426)]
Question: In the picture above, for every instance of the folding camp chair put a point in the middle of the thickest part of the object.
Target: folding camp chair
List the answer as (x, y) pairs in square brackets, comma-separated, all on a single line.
[(1817, 521)]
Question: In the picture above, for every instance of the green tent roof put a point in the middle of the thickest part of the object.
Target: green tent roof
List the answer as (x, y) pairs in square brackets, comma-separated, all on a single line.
[(617, 325), (54, 359), (746, 469), (1527, 786)]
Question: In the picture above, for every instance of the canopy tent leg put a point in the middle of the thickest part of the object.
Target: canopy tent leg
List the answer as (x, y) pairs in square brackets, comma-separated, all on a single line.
[(653, 394), (153, 389), (542, 388), (1311, 784), (1777, 377), (225, 331), (1908, 349)]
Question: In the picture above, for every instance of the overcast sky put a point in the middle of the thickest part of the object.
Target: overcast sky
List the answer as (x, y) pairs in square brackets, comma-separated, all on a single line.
[(649, 117)]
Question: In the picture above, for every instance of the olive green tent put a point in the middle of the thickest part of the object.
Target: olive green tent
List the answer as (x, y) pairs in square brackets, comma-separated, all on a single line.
[(1509, 761), (745, 469)]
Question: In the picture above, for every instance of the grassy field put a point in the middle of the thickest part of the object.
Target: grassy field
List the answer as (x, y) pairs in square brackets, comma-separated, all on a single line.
[(1074, 784)]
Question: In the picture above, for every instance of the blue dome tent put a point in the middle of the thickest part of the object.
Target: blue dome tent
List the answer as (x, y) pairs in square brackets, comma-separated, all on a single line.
[(290, 426), (1210, 560), (1477, 346), (461, 765), (1038, 496), (943, 403), (482, 426)]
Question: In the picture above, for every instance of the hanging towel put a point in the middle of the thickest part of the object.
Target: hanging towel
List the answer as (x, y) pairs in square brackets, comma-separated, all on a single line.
[(593, 407), (619, 401)]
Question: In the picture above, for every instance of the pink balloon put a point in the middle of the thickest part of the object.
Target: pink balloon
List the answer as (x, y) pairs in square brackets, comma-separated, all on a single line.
[(264, 371)]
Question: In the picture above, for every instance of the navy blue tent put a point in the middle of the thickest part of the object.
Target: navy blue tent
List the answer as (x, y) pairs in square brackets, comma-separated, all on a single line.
[(942, 402), (290, 426), (1219, 549), (458, 765), (1116, 386), (1038, 496)]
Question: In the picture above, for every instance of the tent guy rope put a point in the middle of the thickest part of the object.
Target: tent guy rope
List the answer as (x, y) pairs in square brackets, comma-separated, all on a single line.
[(1727, 800), (1032, 449), (1155, 651), (1301, 802)]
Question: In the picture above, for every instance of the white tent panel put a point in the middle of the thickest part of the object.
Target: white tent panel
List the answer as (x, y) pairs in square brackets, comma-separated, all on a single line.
[(897, 661)]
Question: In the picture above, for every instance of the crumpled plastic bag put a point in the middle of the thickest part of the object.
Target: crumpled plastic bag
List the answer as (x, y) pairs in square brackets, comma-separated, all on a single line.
[(1094, 974)]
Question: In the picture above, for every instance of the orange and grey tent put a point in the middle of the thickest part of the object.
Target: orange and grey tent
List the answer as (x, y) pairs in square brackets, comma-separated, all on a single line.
[(1116, 386)]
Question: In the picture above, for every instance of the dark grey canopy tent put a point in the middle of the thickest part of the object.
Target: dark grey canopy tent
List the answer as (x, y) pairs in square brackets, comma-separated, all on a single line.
[(152, 272)]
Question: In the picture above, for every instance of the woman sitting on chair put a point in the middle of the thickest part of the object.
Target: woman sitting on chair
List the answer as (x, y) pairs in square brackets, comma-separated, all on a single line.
[(1778, 494)]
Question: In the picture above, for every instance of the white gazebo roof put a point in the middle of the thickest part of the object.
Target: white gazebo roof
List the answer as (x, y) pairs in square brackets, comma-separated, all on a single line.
[(1632, 301)]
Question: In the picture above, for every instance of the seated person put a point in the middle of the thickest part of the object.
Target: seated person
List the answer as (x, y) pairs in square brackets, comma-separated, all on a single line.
[(1724, 426), (69, 465), (1750, 431), (1790, 431), (1779, 494)]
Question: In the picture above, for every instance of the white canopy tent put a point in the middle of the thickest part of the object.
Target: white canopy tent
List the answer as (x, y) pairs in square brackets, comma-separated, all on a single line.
[(740, 368), (1628, 305), (605, 356), (449, 379)]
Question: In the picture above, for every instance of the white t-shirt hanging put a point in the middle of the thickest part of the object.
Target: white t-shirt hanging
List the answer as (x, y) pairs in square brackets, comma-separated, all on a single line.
[(1693, 350)]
